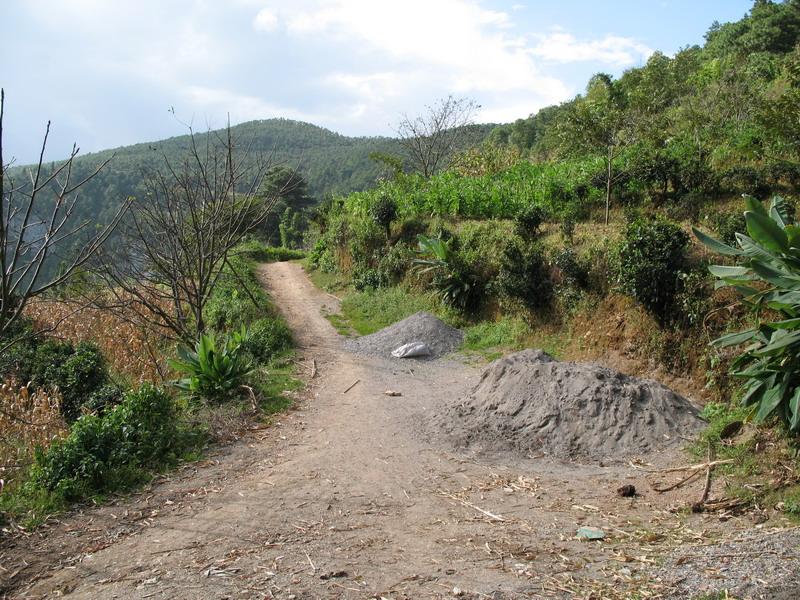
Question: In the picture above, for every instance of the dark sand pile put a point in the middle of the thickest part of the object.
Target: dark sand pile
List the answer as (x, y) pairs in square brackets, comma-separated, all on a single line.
[(423, 327), (531, 404)]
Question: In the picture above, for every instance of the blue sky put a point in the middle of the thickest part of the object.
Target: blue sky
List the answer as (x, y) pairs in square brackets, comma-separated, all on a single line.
[(106, 72)]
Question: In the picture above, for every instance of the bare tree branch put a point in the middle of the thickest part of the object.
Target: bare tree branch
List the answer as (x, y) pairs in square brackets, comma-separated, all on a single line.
[(37, 219), (180, 235), (431, 139)]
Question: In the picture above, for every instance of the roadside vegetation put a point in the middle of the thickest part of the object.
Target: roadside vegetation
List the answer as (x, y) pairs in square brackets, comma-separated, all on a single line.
[(131, 357), (590, 228)]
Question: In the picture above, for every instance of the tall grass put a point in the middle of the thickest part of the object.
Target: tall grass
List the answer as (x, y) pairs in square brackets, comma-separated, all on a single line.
[(28, 419), (489, 196)]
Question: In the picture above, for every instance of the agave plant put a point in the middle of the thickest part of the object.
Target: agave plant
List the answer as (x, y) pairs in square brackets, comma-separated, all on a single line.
[(767, 277), (213, 373), (458, 285)]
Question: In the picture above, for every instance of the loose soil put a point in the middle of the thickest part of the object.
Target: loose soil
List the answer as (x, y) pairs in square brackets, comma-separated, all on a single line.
[(530, 404), (422, 327), (343, 497)]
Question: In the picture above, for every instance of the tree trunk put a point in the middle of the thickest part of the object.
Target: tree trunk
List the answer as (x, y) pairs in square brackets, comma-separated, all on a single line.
[(609, 161)]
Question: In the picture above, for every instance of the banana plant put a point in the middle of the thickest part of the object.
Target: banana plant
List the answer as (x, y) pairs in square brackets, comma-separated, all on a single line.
[(458, 286), (214, 372), (767, 276)]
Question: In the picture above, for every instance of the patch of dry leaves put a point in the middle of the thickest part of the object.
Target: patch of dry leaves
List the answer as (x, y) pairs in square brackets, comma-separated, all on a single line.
[(130, 349), (28, 419)]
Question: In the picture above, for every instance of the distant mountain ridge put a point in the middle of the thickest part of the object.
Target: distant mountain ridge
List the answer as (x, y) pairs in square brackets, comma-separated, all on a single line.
[(331, 163)]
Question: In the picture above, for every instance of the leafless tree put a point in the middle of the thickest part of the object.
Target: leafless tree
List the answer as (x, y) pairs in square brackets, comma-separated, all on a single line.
[(180, 236), (37, 225), (431, 139)]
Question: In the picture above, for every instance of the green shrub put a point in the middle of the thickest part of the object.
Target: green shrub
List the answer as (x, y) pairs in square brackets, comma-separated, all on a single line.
[(458, 284), (321, 257), (384, 212), (410, 228), (727, 225), (768, 276), (477, 245), (258, 251), (77, 372), (229, 307), (525, 276), (693, 300), (112, 452), (395, 263), (529, 220), (573, 271), (652, 257), (367, 278), (215, 370), (104, 399), (16, 360), (267, 338), (366, 241), (237, 299)]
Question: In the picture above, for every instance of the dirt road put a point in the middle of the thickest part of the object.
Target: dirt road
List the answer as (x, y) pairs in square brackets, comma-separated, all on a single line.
[(345, 498)]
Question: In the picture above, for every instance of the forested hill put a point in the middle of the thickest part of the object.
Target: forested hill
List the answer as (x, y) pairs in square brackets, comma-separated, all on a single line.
[(718, 118), (330, 162)]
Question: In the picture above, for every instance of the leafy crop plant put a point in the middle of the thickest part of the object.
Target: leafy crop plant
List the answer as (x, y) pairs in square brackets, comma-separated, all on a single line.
[(768, 279)]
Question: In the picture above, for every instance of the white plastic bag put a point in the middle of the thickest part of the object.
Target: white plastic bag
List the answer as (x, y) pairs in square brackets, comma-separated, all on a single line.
[(411, 350)]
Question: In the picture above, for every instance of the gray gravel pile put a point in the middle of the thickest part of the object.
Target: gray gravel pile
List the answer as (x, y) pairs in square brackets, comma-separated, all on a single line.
[(530, 404), (759, 565), (420, 327)]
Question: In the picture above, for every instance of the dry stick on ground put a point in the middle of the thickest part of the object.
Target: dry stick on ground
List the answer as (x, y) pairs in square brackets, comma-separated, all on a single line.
[(676, 485), (696, 467), (492, 516), (351, 386), (707, 487)]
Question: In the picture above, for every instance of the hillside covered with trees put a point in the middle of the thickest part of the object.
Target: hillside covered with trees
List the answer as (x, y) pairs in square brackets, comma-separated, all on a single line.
[(590, 227)]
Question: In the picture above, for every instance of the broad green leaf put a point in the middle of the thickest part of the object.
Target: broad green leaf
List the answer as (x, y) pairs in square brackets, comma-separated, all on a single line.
[(752, 249), (734, 339), (776, 277), (780, 339), (754, 205), (754, 392), (766, 232), (786, 324), (772, 398), (726, 272), (788, 298), (746, 291), (793, 233), (794, 409), (779, 211), (715, 245)]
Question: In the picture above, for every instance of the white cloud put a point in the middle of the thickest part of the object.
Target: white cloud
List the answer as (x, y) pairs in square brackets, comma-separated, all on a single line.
[(560, 46), (265, 21), (350, 65), (426, 49), (241, 107)]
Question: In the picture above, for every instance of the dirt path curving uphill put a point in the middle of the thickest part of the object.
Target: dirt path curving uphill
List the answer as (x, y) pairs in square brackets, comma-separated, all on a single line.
[(344, 498)]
